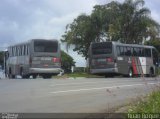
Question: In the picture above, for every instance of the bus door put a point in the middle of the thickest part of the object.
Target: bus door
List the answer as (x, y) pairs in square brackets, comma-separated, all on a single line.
[(123, 59), (155, 59)]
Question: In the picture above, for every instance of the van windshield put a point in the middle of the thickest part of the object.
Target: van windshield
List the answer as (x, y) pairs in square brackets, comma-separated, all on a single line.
[(102, 48), (45, 46)]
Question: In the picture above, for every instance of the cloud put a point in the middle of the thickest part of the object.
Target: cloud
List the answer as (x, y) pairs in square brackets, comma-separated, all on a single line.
[(154, 7), (37, 18), (21, 20)]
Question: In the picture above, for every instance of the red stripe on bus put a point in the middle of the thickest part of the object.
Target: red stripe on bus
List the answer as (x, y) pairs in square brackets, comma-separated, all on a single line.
[(134, 66)]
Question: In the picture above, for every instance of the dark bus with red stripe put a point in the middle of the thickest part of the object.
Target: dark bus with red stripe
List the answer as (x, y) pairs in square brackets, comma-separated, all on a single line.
[(34, 57), (112, 58)]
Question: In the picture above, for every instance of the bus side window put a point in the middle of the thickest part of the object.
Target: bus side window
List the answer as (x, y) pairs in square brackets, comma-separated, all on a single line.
[(134, 51), (125, 51), (118, 51), (24, 50), (121, 50), (155, 56), (18, 51), (147, 52), (128, 52), (138, 52), (143, 52), (12, 51)]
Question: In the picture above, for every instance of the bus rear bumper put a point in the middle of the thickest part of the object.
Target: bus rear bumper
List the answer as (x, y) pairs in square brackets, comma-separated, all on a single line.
[(45, 70), (103, 71)]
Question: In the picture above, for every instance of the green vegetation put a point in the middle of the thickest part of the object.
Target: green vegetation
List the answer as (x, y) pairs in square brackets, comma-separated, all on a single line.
[(155, 43), (75, 75), (127, 22), (82, 75), (1, 57), (150, 105), (67, 62)]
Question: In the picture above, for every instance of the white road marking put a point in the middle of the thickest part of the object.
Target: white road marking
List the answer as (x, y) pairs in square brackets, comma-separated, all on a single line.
[(87, 89), (66, 84), (75, 83)]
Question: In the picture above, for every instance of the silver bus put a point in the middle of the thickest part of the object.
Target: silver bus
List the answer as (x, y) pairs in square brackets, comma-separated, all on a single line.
[(34, 57), (112, 58)]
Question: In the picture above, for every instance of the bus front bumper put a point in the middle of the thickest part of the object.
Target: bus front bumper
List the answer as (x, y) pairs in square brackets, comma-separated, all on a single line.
[(103, 71), (45, 70)]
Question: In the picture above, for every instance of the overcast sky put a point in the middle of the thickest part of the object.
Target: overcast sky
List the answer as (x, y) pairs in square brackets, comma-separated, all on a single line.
[(21, 20)]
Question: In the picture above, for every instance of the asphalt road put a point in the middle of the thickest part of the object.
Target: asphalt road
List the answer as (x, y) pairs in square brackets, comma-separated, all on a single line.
[(71, 95)]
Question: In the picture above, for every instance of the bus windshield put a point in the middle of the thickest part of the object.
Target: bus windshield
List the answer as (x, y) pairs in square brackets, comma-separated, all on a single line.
[(45, 46), (102, 48)]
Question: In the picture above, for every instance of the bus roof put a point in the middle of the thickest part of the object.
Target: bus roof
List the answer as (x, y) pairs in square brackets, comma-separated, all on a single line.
[(26, 42), (123, 44)]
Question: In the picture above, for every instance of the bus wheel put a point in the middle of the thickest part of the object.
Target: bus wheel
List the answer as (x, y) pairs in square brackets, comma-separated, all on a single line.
[(151, 73), (130, 72), (22, 74), (25, 76), (10, 74), (47, 76), (34, 76), (109, 76)]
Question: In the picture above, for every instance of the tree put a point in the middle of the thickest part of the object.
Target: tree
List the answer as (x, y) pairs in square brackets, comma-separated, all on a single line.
[(1, 58), (80, 33), (67, 62), (127, 22), (135, 23), (155, 43)]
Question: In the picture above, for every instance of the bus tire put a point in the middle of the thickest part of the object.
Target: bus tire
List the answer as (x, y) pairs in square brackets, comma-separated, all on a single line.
[(109, 76), (22, 73), (130, 72), (47, 76), (10, 74), (34, 76), (151, 72)]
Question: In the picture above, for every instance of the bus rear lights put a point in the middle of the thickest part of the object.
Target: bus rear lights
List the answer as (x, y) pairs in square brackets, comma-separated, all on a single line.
[(46, 65), (56, 60), (30, 61), (109, 59)]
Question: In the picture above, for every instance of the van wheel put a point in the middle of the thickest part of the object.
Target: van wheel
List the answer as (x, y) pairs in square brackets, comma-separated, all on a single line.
[(130, 72)]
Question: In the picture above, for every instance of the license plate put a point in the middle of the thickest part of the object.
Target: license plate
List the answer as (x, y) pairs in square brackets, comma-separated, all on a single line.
[(35, 62), (101, 60), (46, 65), (46, 58)]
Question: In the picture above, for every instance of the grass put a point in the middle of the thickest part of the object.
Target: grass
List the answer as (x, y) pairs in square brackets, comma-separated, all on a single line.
[(76, 75), (82, 75), (150, 105)]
